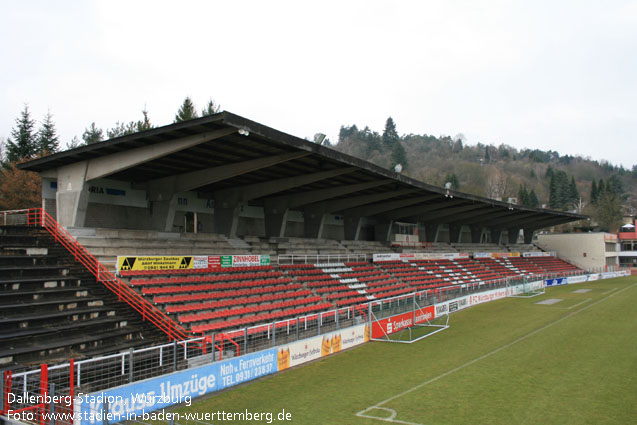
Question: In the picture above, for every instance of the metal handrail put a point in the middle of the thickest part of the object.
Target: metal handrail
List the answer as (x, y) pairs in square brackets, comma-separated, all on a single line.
[(37, 217)]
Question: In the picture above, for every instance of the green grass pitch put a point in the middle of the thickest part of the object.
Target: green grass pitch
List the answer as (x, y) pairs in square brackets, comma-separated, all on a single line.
[(510, 361)]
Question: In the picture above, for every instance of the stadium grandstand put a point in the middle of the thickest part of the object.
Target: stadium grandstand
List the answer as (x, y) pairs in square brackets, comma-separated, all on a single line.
[(236, 236)]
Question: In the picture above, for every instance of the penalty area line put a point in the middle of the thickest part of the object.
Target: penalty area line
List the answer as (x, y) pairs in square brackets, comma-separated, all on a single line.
[(392, 419)]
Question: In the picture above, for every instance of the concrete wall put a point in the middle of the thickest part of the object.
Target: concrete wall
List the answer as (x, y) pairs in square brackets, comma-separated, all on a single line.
[(585, 250), (117, 217)]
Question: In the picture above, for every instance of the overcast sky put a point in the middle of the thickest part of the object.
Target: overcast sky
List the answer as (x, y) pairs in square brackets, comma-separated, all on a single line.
[(558, 75)]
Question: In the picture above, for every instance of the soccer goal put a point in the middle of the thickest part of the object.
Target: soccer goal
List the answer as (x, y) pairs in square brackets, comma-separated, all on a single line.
[(525, 289), (404, 320)]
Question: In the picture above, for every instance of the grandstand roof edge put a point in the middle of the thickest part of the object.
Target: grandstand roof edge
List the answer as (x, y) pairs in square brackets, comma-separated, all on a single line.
[(227, 119)]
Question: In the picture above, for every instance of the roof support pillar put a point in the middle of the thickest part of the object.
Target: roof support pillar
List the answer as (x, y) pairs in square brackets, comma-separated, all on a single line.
[(528, 235), (476, 233), (353, 225), (314, 221), (72, 194), (382, 230), (454, 233), (275, 220), (163, 214), (226, 219), (514, 232), (431, 232), (496, 235)]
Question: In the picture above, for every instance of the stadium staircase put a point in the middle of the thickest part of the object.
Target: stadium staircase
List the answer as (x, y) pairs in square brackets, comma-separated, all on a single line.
[(51, 307)]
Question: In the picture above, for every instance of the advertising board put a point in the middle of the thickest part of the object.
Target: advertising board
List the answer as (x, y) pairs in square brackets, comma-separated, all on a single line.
[(158, 262), (130, 402), (300, 352)]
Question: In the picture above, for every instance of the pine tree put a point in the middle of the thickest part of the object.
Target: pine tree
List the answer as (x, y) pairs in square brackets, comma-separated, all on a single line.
[(608, 212), (119, 130), (93, 134), (187, 111), (549, 172), (573, 194), (144, 124), (533, 201), (601, 189), (23, 142), (372, 140), (48, 140), (74, 143), (593, 192), (615, 185), (122, 129), (390, 135), (523, 196), (553, 192), (211, 108), (398, 156)]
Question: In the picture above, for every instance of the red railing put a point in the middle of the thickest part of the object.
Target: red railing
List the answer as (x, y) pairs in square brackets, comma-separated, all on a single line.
[(37, 217)]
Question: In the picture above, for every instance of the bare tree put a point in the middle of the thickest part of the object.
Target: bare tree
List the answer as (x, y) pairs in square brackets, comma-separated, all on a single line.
[(498, 184)]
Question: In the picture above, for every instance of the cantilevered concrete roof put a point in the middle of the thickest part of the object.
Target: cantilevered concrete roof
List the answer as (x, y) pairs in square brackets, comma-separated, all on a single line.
[(232, 159)]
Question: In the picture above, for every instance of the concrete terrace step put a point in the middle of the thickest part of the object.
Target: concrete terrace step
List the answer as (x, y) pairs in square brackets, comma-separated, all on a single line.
[(142, 234)]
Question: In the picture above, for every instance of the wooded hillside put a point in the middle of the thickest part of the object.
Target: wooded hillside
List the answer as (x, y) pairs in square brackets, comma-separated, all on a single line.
[(535, 177)]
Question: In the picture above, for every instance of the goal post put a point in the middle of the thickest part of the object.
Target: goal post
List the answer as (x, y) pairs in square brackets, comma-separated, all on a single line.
[(525, 289), (403, 319)]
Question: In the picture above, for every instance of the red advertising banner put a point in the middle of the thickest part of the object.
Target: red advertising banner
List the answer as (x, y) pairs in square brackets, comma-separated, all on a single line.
[(214, 261), (425, 314), (390, 325)]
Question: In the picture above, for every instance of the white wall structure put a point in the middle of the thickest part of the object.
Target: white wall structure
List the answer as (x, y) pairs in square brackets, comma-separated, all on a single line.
[(585, 250)]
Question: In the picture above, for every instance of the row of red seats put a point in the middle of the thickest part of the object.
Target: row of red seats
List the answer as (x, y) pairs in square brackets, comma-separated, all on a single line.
[(364, 268), (319, 283), (165, 299), (227, 302), (393, 293), (387, 281), (296, 266), (421, 287), (357, 263), (340, 295), (332, 289), (312, 278), (267, 317), (198, 317), (213, 278), (213, 286), (359, 274), (282, 324), (387, 288), (350, 301), (394, 266), (430, 281), (305, 272), (370, 279)]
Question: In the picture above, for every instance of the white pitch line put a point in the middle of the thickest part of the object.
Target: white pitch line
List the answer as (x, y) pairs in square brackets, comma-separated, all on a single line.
[(477, 359), (389, 419), (585, 301), (608, 292)]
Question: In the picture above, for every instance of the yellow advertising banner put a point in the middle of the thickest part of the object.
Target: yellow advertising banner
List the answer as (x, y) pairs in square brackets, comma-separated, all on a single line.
[(154, 263)]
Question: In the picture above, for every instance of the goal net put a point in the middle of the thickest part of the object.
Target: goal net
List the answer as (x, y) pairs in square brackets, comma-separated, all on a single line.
[(405, 319), (525, 289)]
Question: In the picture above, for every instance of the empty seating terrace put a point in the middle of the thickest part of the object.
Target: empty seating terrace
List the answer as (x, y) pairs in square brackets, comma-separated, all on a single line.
[(225, 299)]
